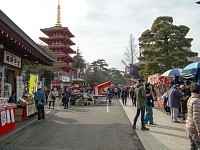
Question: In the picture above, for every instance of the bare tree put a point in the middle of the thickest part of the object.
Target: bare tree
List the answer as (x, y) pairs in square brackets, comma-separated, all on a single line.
[(131, 53)]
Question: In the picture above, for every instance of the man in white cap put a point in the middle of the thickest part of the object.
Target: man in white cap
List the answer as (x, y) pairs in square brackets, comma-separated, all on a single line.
[(40, 101)]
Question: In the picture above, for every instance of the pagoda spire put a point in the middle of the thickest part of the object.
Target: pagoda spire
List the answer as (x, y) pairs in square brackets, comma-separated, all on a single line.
[(58, 14)]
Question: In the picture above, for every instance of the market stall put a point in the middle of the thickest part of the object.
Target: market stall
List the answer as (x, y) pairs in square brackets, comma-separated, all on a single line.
[(17, 49), (162, 84), (7, 116), (25, 108), (101, 88)]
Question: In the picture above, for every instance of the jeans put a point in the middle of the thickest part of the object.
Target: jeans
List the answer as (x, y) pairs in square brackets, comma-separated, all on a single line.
[(149, 115), (142, 109), (194, 144), (174, 113), (110, 99), (41, 112)]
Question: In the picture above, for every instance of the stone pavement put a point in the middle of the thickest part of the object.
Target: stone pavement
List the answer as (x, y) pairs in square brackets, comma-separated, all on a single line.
[(163, 136), (166, 135)]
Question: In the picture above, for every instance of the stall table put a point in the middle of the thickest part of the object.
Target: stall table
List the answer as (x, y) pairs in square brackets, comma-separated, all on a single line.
[(7, 119)]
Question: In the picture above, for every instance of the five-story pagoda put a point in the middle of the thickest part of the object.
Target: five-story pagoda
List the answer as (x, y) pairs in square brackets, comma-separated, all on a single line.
[(59, 42)]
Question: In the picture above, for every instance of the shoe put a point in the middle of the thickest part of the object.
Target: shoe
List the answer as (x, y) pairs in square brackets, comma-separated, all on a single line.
[(134, 127), (152, 123), (144, 128), (53, 107), (176, 121), (44, 118), (39, 119), (65, 108)]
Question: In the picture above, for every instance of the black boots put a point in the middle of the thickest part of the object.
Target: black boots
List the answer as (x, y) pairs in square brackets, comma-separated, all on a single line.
[(144, 128), (134, 125)]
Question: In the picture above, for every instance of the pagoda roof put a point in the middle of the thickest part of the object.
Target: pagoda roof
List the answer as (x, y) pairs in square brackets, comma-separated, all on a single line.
[(57, 28), (65, 39), (62, 66), (18, 42), (67, 58), (68, 49)]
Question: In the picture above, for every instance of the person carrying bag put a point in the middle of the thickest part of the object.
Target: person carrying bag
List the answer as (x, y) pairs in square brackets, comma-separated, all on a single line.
[(52, 98)]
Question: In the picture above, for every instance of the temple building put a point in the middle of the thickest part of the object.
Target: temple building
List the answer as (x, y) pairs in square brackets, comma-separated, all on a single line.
[(59, 41)]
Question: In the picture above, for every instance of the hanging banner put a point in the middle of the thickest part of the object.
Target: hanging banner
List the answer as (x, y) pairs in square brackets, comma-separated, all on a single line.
[(3, 118), (12, 115), (2, 81), (8, 116), (20, 87), (33, 84)]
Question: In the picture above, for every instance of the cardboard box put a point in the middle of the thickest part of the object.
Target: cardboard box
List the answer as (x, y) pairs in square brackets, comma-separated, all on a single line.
[(18, 118), (19, 111)]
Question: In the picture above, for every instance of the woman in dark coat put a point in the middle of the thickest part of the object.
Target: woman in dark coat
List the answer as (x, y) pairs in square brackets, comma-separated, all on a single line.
[(65, 99), (124, 95)]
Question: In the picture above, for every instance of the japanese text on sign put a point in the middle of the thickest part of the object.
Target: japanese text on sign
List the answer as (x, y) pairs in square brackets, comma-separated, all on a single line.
[(12, 59)]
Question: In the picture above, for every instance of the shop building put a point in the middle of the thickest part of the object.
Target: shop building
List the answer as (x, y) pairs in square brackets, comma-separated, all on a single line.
[(16, 50)]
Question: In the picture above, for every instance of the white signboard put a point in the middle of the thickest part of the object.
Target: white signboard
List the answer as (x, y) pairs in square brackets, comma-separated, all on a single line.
[(12, 59), (20, 87), (65, 79)]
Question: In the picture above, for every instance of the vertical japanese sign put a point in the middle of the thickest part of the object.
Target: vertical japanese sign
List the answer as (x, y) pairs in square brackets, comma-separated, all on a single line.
[(20, 87), (1, 81), (33, 84)]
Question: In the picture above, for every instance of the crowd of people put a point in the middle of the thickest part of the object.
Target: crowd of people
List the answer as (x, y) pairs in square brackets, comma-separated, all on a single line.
[(175, 101), (181, 100), (43, 97), (143, 97)]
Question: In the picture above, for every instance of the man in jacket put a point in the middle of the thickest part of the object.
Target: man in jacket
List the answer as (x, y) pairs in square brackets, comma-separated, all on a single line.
[(141, 104), (175, 102), (193, 117), (40, 101)]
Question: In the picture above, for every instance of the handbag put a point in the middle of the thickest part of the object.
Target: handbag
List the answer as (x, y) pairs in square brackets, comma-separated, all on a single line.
[(53, 97)]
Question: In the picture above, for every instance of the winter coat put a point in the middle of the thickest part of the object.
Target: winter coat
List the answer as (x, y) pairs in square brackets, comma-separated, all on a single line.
[(193, 118), (66, 97), (40, 98), (149, 98), (174, 98), (124, 93), (140, 96), (50, 96)]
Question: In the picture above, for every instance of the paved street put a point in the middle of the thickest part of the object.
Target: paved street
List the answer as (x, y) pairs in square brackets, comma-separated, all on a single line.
[(79, 128), (95, 128), (166, 135)]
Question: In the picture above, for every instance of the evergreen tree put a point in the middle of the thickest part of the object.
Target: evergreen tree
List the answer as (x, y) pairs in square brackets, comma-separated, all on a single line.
[(164, 47), (79, 64)]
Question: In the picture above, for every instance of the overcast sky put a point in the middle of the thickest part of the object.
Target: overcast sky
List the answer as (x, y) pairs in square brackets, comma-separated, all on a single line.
[(102, 27)]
